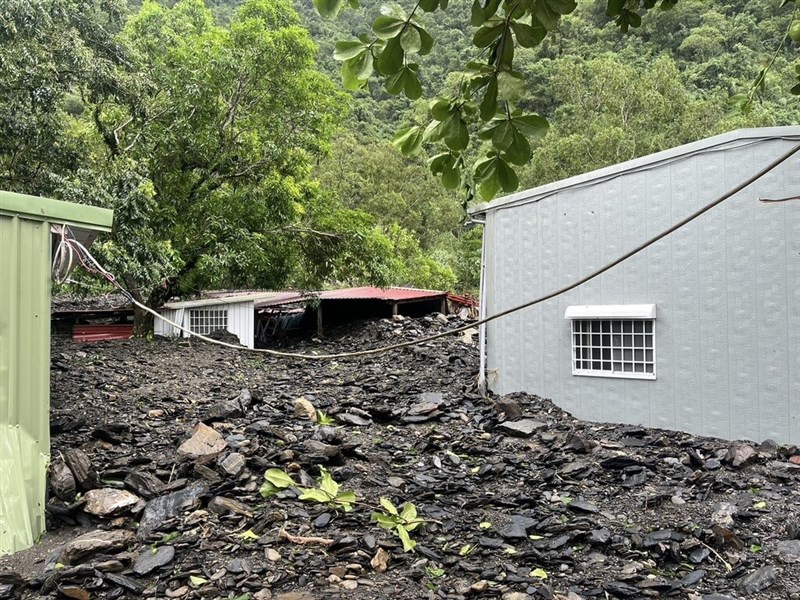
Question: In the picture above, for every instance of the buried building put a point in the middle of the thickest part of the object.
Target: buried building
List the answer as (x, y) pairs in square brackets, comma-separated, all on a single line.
[(700, 332)]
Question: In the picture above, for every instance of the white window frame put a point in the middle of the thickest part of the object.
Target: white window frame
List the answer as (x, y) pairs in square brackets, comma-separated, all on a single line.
[(206, 320), (627, 332)]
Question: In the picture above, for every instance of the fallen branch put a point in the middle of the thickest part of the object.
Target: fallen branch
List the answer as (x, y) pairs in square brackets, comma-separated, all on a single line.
[(302, 540)]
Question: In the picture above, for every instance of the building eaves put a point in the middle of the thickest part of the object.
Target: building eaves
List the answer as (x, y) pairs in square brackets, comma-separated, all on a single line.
[(733, 139)]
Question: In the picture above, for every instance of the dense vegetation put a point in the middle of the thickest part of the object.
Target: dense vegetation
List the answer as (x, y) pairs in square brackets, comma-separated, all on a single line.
[(222, 137)]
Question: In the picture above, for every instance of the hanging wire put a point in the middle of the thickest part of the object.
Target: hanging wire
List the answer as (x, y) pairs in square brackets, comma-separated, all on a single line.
[(84, 255)]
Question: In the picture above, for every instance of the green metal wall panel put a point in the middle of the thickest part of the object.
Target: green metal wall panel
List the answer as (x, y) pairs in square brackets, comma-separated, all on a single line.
[(24, 378)]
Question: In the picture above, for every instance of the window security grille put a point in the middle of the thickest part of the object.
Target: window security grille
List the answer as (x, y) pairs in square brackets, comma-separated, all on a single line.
[(204, 321), (614, 348)]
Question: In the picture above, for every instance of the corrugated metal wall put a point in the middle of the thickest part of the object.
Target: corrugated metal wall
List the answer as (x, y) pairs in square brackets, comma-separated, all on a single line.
[(240, 322), (727, 288), (24, 379)]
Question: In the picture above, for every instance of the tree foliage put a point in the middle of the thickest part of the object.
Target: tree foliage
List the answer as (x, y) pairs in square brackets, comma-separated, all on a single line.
[(477, 130), (201, 137)]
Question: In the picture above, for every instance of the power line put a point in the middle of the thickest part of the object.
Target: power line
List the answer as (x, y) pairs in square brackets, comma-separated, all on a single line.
[(94, 266)]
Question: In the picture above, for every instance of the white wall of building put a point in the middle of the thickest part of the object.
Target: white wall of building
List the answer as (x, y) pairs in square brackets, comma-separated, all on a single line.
[(726, 287)]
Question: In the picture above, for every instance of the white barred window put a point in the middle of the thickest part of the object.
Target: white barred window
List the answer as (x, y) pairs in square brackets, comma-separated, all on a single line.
[(606, 344), (204, 321)]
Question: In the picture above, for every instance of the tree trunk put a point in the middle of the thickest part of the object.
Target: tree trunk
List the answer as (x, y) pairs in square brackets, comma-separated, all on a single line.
[(142, 323)]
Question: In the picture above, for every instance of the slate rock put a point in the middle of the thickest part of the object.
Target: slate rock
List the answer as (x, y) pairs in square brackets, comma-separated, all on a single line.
[(351, 419), (107, 502), (144, 484), (583, 506), (323, 520), (62, 481), (303, 409), (222, 505), (233, 464), (74, 591), (513, 531), (82, 469), (125, 582), (424, 408), (758, 580), (510, 408), (222, 411), (789, 550), (149, 561), (523, 428), (740, 455), (599, 536), (89, 544), (168, 507), (204, 442)]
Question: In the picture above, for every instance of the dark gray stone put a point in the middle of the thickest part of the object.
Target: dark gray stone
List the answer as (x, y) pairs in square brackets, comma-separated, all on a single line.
[(523, 428), (167, 507), (758, 580), (149, 561)]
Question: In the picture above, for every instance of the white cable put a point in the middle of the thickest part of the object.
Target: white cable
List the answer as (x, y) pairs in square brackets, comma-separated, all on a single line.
[(571, 286)]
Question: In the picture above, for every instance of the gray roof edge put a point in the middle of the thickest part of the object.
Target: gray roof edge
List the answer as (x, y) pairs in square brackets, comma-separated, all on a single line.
[(717, 142), (236, 299)]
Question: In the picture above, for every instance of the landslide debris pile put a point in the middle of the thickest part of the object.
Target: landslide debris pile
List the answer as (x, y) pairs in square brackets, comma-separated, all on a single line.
[(160, 450)]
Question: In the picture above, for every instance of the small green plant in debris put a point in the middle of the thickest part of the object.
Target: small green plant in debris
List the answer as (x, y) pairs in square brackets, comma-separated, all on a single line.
[(249, 536), (402, 521), (538, 573), (434, 571), (275, 480), (324, 419), (329, 492)]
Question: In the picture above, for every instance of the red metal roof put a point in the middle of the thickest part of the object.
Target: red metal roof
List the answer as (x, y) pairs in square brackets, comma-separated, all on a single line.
[(99, 333), (394, 294)]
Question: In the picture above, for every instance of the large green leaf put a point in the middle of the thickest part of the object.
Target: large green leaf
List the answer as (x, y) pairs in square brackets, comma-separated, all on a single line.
[(487, 34), (279, 478), (489, 103), (390, 60), (519, 151), (408, 514), (404, 80), (503, 134), (408, 543), (451, 179), (533, 126), (426, 42), (327, 484), (507, 176), (384, 521), (476, 14), (328, 8), (356, 71), (528, 36), (388, 506), (409, 140), (314, 494), (348, 50), (386, 27), (456, 134), (441, 109), (410, 39)]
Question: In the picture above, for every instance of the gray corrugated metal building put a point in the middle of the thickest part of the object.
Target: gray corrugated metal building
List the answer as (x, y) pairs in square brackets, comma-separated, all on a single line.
[(699, 333)]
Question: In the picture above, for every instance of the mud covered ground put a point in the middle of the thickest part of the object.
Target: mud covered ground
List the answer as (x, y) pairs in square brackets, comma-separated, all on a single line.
[(517, 499)]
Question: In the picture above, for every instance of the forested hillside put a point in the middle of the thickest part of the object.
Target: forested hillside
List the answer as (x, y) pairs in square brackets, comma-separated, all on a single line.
[(609, 96), (221, 135)]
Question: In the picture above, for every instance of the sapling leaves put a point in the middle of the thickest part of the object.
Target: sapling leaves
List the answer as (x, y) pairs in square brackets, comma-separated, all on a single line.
[(401, 521), (275, 481), (329, 492)]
